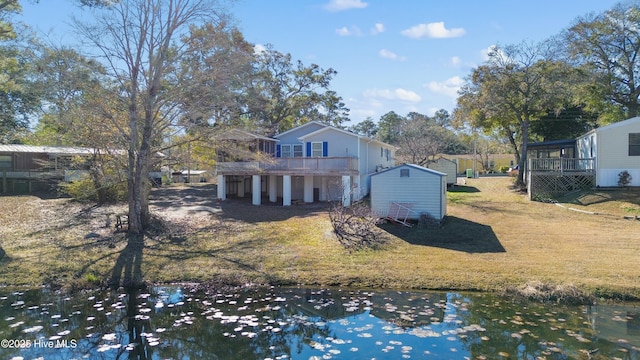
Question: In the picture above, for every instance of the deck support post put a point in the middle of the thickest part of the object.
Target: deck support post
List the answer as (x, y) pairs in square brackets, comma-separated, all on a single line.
[(241, 187), (308, 189), (273, 188), (256, 190), (346, 191), (286, 190), (222, 191)]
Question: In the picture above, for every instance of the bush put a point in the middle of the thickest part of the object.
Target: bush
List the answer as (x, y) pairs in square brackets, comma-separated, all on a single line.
[(85, 190), (355, 226), (624, 179), (504, 169)]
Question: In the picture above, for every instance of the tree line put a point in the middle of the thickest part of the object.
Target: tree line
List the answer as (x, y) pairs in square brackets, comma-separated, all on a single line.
[(152, 75)]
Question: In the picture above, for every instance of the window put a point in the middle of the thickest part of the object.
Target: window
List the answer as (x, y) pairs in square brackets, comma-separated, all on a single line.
[(5, 162), (316, 149), (286, 151), (297, 150), (404, 172), (634, 144)]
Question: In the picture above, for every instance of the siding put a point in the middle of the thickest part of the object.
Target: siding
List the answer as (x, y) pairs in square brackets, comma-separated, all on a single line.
[(424, 189), (446, 166), (610, 146)]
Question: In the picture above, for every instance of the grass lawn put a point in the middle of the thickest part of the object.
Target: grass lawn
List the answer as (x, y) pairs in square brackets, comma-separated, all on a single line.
[(492, 239)]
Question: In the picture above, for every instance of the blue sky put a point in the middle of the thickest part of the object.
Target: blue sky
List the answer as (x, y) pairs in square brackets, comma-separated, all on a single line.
[(402, 55)]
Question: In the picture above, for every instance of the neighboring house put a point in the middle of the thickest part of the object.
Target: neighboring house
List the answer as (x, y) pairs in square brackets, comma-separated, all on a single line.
[(408, 191), (446, 166), (607, 151), (26, 168), (312, 162), (615, 148)]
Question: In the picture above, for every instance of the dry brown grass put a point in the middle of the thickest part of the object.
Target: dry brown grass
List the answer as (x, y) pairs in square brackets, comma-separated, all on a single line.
[(493, 239)]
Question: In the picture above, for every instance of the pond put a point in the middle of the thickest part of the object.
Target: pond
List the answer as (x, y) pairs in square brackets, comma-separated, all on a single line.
[(301, 323)]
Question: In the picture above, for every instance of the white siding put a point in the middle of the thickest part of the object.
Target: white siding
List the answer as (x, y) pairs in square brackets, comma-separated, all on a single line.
[(613, 153), (339, 144), (424, 189), (446, 166), (610, 146)]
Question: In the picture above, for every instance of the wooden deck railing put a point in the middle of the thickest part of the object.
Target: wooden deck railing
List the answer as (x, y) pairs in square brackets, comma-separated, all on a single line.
[(302, 164), (562, 165)]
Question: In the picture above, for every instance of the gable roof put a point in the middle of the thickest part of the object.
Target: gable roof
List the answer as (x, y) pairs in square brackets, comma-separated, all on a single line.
[(297, 128), (346, 132), (239, 134), (413, 166)]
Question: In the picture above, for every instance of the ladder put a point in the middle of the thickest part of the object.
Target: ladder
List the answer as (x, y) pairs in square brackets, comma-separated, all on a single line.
[(399, 213)]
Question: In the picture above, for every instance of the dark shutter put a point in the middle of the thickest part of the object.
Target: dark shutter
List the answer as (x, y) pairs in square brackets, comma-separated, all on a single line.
[(278, 154), (325, 149), (308, 149)]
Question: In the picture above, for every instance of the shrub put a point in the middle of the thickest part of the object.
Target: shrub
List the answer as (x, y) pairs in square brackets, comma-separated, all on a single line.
[(503, 169), (85, 190), (624, 179), (355, 226)]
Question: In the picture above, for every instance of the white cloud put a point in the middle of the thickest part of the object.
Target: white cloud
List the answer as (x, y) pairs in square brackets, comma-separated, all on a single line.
[(448, 87), (339, 5), (397, 94), (259, 49), (455, 60), (391, 55), (377, 29), (432, 30), (352, 31)]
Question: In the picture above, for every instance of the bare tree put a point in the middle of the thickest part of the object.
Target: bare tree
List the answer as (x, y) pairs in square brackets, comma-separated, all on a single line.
[(139, 43)]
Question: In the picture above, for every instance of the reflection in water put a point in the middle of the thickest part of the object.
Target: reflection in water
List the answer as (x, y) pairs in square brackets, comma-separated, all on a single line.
[(166, 323)]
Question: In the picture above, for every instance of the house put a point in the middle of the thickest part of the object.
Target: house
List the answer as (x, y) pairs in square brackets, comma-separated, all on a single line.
[(26, 168), (446, 166), (615, 148), (409, 191), (606, 151), (595, 159), (311, 162)]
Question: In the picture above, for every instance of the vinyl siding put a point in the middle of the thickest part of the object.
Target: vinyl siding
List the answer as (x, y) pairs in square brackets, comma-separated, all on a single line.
[(446, 166), (423, 189)]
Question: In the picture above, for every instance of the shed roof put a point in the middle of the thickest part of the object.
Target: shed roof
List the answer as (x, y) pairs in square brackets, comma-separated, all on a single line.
[(414, 166)]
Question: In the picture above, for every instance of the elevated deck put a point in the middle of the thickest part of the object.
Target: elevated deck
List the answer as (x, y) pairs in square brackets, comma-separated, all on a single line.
[(292, 166), (551, 178)]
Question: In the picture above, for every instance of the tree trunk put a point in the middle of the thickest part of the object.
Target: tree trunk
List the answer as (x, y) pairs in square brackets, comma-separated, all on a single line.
[(523, 151)]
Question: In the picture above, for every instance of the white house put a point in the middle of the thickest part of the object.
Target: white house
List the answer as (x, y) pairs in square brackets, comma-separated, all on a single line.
[(615, 148), (312, 162), (410, 190)]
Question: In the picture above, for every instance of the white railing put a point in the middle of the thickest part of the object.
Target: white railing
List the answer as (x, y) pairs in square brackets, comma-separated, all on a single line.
[(289, 164), (562, 165)]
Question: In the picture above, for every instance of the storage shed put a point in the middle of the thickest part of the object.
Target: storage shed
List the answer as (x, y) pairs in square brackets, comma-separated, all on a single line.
[(443, 165), (408, 191)]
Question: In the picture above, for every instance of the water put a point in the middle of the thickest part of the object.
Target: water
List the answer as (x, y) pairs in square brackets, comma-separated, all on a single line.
[(166, 323)]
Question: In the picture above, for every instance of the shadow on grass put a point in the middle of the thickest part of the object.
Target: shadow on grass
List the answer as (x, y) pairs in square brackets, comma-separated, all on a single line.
[(592, 197), (463, 189), (454, 234)]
